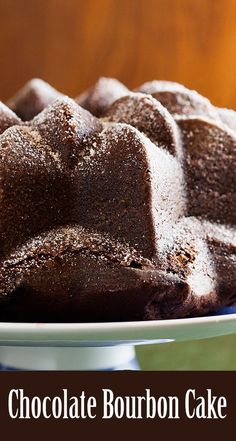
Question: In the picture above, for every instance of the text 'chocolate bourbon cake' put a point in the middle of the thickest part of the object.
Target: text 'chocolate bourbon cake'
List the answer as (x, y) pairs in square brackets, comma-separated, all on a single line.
[(116, 205)]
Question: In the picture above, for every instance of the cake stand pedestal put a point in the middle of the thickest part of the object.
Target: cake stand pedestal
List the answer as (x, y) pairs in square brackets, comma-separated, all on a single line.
[(68, 359)]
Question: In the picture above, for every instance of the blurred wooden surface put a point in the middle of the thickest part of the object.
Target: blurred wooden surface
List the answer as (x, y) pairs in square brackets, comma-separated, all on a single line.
[(70, 43)]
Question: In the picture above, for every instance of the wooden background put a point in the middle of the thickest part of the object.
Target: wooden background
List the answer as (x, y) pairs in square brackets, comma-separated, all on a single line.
[(70, 43)]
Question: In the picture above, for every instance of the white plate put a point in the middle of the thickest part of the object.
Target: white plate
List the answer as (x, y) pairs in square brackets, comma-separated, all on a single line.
[(89, 346), (110, 334)]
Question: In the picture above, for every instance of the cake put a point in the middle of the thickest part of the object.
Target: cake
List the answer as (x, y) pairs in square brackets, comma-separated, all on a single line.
[(116, 205)]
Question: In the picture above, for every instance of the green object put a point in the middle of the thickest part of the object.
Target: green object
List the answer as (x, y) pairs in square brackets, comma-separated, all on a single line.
[(212, 354)]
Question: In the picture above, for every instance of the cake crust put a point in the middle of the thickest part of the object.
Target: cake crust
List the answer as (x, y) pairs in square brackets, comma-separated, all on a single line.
[(121, 207)]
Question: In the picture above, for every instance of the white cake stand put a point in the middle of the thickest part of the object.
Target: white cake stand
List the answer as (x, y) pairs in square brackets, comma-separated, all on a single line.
[(99, 346)]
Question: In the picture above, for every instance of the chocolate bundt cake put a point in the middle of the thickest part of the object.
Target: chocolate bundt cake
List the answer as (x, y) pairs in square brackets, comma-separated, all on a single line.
[(116, 205)]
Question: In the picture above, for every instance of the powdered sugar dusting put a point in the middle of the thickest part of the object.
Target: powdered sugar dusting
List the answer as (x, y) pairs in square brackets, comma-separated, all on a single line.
[(7, 118), (140, 134), (179, 100), (99, 97), (149, 116)]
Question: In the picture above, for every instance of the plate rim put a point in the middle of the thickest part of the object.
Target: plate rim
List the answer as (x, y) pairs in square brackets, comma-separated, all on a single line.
[(107, 326)]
